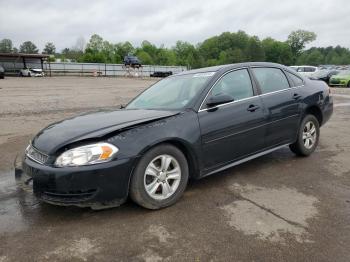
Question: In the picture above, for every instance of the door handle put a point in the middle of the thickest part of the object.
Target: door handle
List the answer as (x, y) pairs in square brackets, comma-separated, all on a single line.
[(296, 96), (253, 108)]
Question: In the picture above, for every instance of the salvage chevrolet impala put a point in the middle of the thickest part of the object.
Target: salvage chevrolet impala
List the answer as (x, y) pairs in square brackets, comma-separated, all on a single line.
[(189, 125)]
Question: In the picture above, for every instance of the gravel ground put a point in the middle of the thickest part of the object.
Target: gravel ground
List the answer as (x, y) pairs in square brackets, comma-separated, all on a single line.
[(275, 208)]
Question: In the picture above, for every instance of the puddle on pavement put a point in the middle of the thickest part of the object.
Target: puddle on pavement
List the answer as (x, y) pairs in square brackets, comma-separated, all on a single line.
[(16, 206), (271, 214), (13, 203), (19, 209)]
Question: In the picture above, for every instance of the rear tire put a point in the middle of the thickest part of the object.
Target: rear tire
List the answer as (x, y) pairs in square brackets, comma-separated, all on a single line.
[(308, 136), (160, 177)]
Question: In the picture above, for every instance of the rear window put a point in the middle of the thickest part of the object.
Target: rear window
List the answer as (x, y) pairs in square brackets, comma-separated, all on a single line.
[(270, 79), (297, 81)]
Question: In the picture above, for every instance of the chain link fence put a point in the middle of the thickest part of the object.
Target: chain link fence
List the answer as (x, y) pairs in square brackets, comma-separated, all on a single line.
[(97, 69), (14, 66)]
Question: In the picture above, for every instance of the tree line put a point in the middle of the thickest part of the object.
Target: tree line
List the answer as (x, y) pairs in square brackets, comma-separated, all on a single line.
[(226, 48)]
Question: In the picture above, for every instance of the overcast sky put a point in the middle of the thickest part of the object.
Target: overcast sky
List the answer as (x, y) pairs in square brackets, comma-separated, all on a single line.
[(166, 21)]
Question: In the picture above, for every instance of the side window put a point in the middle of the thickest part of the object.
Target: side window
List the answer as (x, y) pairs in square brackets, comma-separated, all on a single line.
[(297, 81), (301, 69), (270, 79), (236, 84)]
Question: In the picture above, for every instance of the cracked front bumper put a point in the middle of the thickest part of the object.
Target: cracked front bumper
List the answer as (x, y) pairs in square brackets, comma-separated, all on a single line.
[(98, 186)]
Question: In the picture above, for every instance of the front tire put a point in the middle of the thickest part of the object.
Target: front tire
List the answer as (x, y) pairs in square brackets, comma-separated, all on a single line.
[(160, 177), (308, 137)]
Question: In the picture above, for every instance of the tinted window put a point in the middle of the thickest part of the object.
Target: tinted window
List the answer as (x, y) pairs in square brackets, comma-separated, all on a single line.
[(310, 69), (270, 79), (236, 84), (301, 69), (297, 81)]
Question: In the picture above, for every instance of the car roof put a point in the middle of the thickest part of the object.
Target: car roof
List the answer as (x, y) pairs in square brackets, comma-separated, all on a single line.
[(230, 66)]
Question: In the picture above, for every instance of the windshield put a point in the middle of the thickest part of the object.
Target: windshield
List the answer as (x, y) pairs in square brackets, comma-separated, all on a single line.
[(344, 72), (171, 93), (321, 73)]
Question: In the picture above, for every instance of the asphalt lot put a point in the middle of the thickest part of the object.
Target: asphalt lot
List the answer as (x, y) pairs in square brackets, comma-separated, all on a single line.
[(275, 208)]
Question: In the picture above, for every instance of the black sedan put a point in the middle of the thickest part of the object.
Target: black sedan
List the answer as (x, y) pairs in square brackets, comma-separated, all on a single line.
[(324, 75), (189, 125)]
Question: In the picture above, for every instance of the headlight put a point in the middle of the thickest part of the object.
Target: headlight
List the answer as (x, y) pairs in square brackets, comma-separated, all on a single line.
[(87, 155)]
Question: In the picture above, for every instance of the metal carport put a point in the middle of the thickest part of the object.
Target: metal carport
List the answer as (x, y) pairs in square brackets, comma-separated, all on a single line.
[(13, 62)]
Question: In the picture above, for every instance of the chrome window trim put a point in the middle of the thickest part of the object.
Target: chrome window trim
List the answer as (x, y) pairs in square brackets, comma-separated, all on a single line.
[(229, 103), (255, 96), (230, 71), (280, 91)]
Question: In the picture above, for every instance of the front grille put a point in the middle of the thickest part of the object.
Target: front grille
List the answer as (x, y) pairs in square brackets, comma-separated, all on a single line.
[(68, 197), (36, 155), (335, 81)]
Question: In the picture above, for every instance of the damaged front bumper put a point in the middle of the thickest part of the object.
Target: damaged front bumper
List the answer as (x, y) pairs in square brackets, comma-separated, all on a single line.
[(97, 186)]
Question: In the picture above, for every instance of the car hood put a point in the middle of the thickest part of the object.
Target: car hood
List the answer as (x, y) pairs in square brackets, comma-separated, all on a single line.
[(92, 125)]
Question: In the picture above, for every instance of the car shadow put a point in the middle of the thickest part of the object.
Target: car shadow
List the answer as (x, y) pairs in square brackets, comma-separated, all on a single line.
[(34, 212)]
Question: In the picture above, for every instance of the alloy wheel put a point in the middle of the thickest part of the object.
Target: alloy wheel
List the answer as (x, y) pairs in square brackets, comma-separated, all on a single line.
[(309, 135), (162, 177)]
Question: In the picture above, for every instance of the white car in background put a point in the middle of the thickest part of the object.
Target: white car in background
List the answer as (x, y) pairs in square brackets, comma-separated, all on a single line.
[(305, 70), (31, 72)]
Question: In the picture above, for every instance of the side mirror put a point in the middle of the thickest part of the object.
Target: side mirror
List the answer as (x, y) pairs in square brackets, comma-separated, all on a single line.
[(219, 99)]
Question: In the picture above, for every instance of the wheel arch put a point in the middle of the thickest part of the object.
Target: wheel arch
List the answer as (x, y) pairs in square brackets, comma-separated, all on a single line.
[(315, 111), (185, 148)]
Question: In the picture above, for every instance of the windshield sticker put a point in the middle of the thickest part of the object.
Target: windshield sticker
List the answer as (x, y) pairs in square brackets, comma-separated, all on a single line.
[(207, 74)]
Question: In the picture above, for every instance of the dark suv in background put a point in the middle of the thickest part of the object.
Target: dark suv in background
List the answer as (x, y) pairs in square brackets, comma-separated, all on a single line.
[(131, 60), (2, 72)]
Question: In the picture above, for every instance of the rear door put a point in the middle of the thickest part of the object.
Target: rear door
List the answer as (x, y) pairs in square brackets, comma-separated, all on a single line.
[(282, 103), (233, 130)]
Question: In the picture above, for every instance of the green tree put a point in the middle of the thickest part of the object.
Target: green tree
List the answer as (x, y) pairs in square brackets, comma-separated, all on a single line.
[(237, 56), (297, 41), (209, 50), (49, 48), (6, 46), (315, 58), (95, 44), (187, 54), (28, 48), (124, 49), (145, 58), (277, 52), (166, 56), (71, 54), (96, 50), (254, 50)]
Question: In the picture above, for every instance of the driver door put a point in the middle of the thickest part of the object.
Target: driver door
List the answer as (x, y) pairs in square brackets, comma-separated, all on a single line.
[(232, 130)]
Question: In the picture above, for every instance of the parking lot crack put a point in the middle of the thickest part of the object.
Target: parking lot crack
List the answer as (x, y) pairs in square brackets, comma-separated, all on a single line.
[(271, 212)]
